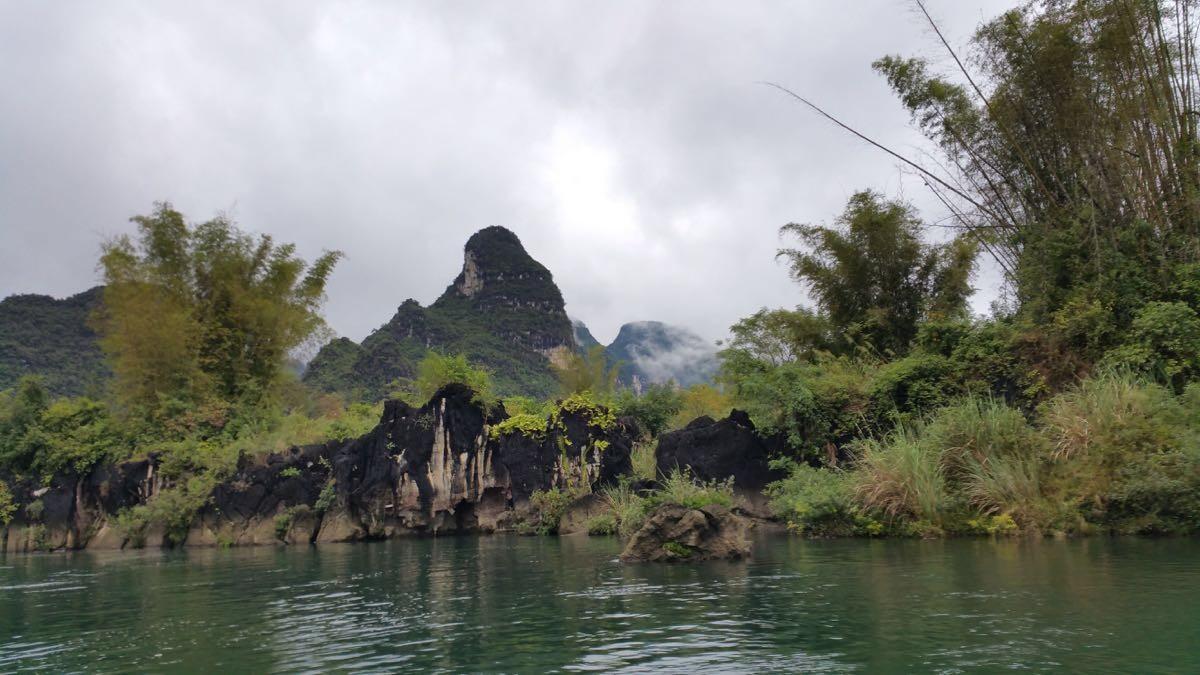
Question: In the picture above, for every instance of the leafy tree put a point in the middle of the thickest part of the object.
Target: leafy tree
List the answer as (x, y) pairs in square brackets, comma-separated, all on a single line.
[(203, 314), (588, 371), (873, 277), (1071, 154), (1164, 342), (699, 400), (437, 370), (654, 408), (779, 336)]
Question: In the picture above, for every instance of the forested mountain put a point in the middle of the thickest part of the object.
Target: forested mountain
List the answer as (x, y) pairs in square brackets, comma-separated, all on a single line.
[(43, 336), (654, 352), (503, 311)]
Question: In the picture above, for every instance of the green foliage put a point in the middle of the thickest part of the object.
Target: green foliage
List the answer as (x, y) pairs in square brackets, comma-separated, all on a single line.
[(327, 497), (604, 525), (677, 550), (8, 505), (580, 373), (901, 477), (1073, 163), (550, 505), (1164, 343), (645, 465), (911, 387), (203, 315), (681, 487), (290, 472), (283, 521), (817, 407), (820, 502), (51, 339), (779, 336), (44, 437), (653, 409), (627, 506), (873, 277), (700, 400), (438, 370), (524, 405), (526, 424), (585, 404), (1126, 455)]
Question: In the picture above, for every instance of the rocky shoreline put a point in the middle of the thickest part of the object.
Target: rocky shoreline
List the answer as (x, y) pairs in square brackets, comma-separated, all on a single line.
[(442, 468)]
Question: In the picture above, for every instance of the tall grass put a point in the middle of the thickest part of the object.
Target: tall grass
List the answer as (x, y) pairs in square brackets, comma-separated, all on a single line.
[(901, 476), (645, 466)]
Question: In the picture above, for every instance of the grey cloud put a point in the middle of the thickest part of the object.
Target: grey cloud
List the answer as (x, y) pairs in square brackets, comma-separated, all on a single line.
[(625, 142)]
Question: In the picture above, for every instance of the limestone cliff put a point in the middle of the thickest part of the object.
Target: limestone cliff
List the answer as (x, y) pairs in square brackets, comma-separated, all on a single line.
[(434, 469), (503, 311)]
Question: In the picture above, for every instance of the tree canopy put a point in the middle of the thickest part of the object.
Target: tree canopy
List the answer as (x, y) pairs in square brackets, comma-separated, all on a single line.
[(873, 277), (203, 314)]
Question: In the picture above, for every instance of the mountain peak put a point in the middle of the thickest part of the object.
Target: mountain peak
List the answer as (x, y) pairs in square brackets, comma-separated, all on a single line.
[(496, 265)]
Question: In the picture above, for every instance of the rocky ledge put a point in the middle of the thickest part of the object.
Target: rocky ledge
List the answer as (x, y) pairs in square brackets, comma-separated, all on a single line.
[(446, 467)]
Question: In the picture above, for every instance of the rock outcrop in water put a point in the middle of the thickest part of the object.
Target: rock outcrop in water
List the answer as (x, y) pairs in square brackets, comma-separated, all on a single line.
[(675, 533), (434, 469)]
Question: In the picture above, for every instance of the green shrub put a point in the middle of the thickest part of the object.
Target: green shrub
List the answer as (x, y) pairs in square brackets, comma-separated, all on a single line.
[(627, 506), (7, 505), (682, 488), (604, 525), (550, 506), (290, 472), (525, 424), (903, 391), (653, 409), (1164, 342), (819, 502), (901, 477), (327, 497), (677, 550), (1126, 455), (645, 465)]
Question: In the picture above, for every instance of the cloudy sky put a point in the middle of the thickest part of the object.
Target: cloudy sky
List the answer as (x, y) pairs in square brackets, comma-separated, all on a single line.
[(627, 143)]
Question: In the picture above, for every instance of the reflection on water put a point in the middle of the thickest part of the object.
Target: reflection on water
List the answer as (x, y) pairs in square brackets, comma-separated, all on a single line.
[(521, 604)]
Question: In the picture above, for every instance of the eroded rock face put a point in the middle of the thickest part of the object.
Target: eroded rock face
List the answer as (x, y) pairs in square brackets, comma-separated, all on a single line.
[(75, 511), (718, 450), (433, 469), (675, 533)]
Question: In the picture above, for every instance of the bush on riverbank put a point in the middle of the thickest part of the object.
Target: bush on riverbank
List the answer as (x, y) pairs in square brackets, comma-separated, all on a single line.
[(1116, 453)]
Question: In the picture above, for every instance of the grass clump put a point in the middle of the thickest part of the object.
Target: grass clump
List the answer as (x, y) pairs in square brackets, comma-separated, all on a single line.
[(645, 466), (603, 525)]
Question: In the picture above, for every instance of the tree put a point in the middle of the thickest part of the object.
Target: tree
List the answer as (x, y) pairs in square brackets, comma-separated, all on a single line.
[(589, 371), (1072, 154), (204, 314), (437, 370), (653, 408), (873, 277), (778, 336)]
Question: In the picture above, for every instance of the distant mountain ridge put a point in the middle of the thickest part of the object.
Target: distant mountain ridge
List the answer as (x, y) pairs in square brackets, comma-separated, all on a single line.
[(652, 352), (40, 335)]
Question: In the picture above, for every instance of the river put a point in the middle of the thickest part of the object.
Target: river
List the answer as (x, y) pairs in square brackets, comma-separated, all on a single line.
[(506, 603)]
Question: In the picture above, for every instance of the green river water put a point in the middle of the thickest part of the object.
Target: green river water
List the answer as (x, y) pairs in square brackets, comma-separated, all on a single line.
[(524, 604)]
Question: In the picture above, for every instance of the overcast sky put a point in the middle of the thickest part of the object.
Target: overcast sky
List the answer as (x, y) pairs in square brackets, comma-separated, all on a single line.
[(626, 143)]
